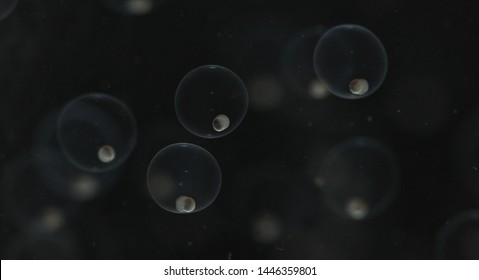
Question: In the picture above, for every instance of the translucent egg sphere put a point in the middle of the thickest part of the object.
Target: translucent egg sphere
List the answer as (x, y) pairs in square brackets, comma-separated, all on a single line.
[(351, 61), (184, 178), (7, 7), (211, 101), (61, 177), (359, 178), (96, 132)]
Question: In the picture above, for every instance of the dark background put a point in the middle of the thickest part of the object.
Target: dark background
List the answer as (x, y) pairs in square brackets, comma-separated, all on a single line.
[(426, 112)]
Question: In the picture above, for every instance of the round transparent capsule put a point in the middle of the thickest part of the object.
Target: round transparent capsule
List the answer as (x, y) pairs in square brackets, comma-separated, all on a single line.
[(359, 178), (60, 176), (96, 132), (211, 101), (7, 7), (351, 61), (184, 178)]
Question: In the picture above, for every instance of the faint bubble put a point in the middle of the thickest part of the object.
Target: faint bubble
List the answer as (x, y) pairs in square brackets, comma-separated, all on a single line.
[(184, 178), (319, 181), (359, 178), (90, 126), (266, 92), (297, 64), (317, 89), (277, 199), (221, 122), (348, 52), (459, 237), (133, 7), (7, 7), (84, 187), (27, 200), (205, 93), (266, 229), (51, 219), (139, 7)]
